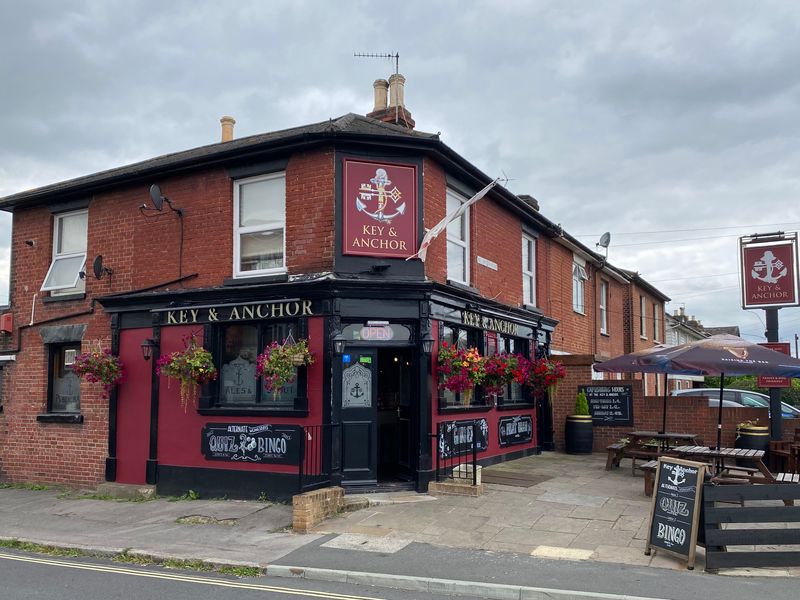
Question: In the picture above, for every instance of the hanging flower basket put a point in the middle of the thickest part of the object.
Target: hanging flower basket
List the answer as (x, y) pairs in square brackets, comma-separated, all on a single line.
[(459, 370), (100, 366), (192, 367), (277, 365), (499, 372), (544, 376)]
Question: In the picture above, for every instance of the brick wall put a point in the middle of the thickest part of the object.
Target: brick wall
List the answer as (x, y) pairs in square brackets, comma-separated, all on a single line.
[(684, 413), (311, 508), (143, 250)]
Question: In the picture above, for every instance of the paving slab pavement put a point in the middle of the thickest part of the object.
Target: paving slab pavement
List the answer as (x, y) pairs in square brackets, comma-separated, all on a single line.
[(591, 513)]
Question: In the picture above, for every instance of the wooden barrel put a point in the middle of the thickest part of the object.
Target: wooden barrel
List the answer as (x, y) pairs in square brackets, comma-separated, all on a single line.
[(752, 437), (578, 436)]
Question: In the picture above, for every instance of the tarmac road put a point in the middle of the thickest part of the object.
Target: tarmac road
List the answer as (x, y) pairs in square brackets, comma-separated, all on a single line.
[(24, 576)]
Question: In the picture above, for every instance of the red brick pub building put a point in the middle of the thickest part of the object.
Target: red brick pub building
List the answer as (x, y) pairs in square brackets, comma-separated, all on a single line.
[(304, 233)]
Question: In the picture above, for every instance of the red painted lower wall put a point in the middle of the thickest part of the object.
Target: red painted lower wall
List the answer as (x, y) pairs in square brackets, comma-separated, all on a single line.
[(492, 417)]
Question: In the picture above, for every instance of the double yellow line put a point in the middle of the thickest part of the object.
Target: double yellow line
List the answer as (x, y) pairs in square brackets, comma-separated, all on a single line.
[(180, 577)]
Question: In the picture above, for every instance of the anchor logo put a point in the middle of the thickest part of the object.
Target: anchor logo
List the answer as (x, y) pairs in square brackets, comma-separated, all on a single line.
[(378, 189), (356, 392), (768, 268), (678, 475)]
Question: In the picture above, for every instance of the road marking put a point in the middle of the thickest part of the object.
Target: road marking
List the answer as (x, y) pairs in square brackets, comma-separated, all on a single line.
[(182, 578)]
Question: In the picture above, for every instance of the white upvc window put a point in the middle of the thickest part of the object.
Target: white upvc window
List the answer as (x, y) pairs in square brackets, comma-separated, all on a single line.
[(656, 323), (529, 270), (604, 307), (642, 317), (579, 278), (69, 254), (457, 241), (259, 225)]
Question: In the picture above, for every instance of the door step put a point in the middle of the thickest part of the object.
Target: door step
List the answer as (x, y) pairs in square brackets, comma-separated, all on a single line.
[(380, 487)]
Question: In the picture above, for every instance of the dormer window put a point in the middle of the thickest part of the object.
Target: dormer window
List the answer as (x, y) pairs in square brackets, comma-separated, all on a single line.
[(69, 254)]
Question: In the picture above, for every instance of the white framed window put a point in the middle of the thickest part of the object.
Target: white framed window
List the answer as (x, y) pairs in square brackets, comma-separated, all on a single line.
[(259, 225), (642, 317), (529, 270), (457, 241), (604, 307), (579, 278), (656, 323), (69, 254)]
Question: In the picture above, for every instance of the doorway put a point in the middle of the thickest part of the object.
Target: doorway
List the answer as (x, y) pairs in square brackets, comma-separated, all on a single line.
[(377, 407), (395, 367)]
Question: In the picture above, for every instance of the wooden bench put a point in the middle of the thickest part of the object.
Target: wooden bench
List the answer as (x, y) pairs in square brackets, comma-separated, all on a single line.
[(649, 469), (639, 453), (614, 455)]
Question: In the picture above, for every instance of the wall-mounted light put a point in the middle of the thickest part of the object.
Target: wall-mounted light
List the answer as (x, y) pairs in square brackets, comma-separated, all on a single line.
[(427, 342), (338, 343), (147, 348)]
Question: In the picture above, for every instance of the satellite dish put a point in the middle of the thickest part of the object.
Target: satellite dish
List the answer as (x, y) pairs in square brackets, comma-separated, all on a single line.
[(605, 240), (98, 268), (156, 197)]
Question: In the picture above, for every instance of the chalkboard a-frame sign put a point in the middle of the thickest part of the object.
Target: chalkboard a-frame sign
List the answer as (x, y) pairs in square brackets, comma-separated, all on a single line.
[(675, 513)]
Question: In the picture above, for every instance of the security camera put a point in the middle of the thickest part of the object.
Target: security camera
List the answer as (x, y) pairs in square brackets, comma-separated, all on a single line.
[(30, 242)]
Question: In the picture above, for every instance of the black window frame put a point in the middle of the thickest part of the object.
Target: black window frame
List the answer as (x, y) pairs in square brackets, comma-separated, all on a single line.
[(505, 402), (55, 355), (475, 338), (211, 401)]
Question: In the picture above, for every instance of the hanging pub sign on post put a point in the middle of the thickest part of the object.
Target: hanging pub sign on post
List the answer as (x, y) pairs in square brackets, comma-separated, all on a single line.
[(769, 270), (675, 512)]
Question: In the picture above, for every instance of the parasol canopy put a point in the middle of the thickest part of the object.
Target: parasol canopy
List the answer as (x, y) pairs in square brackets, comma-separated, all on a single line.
[(717, 355)]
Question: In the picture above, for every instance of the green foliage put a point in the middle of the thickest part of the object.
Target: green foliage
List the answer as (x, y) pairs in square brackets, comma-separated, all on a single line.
[(240, 571), (35, 487), (39, 548), (581, 404), (191, 495)]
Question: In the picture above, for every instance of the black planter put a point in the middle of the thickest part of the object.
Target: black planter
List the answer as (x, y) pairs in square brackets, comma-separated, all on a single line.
[(578, 435), (752, 437)]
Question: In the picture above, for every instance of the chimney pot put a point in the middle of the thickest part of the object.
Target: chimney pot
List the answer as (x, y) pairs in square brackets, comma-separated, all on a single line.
[(381, 87), (227, 128), (397, 90)]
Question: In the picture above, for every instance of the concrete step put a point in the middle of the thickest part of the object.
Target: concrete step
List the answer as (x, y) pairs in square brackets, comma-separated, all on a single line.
[(126, 490)]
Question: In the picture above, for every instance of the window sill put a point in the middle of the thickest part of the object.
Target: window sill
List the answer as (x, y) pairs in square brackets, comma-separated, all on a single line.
[(526, 406), (532, 308), (257, 279), (254, 412), (462, 286), (605, 334), (578, 312), (446, 410), (643, 337), (64, 298), (76, 418)]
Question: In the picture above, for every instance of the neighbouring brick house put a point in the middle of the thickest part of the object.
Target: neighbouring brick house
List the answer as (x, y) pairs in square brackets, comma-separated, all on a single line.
[(300, 233)]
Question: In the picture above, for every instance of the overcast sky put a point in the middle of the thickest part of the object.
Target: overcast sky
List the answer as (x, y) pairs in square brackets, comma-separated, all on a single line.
[(675, 126)]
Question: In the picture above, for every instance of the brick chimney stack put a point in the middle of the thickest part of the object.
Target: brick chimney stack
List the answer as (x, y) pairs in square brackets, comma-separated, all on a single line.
[(395, 110), (227, 128)]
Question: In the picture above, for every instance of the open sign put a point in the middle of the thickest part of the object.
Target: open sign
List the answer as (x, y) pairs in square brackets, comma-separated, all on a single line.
[(376, 333)]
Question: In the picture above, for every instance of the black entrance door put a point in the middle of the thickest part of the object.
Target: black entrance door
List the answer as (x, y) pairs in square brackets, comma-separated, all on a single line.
[(359, 416)]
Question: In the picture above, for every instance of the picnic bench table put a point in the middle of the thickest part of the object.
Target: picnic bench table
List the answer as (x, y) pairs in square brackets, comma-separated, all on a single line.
[(637, 446), (719, 455)]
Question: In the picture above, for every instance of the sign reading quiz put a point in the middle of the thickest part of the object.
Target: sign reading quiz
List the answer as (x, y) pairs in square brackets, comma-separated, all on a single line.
[(675, 512), (379, 216), (610, 404)]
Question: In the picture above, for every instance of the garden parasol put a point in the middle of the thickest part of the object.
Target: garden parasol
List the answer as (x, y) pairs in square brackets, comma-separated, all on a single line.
[(717, 355), (645, 361)]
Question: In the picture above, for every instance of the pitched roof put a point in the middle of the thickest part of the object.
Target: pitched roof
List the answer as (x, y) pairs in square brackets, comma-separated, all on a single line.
[(347, 125)]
